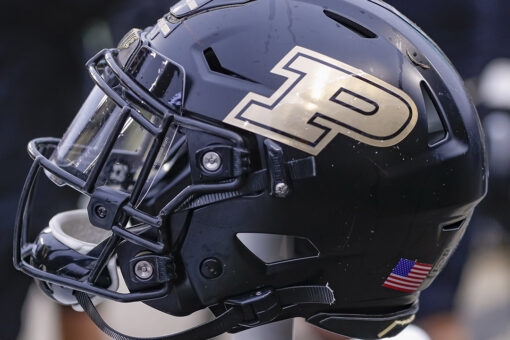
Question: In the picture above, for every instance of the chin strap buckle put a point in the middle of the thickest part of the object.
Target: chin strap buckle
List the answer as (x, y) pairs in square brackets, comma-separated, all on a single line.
[(257, 308)]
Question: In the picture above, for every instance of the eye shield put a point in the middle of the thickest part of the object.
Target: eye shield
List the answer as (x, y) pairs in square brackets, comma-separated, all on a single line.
[(100, 121)]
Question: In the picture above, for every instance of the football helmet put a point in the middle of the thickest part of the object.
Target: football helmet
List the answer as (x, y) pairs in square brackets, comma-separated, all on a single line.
[(266, 160)]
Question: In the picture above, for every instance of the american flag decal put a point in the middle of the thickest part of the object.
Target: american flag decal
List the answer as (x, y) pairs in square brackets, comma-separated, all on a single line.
[(407, 276)]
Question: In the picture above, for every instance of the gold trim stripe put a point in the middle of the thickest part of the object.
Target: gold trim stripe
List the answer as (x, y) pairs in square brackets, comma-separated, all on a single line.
[(395, 324)]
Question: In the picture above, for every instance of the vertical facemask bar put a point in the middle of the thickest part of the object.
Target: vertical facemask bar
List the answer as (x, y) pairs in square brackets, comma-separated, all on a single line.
[(159, 135), (103, 156), (153, 153), (103, 258), (126, 110), (151, 158), (112, 243), (21, 228)]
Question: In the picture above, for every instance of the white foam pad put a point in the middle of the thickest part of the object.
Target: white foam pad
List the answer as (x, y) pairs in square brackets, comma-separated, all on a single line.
[(73, 229)]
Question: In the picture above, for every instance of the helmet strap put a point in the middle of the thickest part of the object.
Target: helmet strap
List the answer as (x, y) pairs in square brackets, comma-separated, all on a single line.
[(250, 310)]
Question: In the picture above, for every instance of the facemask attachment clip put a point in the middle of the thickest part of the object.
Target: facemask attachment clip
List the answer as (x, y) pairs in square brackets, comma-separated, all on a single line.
[(104, 206)]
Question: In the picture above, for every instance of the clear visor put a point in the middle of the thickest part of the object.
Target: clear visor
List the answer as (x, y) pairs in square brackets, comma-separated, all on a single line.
[(86, 137), (79, 150)]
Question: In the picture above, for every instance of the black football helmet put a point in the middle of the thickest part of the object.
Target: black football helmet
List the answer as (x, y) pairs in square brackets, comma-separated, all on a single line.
[(267, 160)]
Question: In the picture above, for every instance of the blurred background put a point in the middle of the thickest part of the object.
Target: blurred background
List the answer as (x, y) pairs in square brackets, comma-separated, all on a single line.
[(43, 83)]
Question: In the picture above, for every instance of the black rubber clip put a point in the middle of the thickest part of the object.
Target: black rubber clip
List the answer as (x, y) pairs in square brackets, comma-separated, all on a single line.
[(282, 173), (258, 308), (105, 205)]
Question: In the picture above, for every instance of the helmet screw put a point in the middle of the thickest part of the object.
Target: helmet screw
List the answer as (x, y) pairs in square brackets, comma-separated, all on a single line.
[(281, 189), (211, 268), (211, 161), (143, 270), (101, 211)]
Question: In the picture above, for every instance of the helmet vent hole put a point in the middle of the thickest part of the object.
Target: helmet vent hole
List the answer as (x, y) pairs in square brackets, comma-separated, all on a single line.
[(215, 65), (271, 248), (435, 121), (453, 226), (351, 25)]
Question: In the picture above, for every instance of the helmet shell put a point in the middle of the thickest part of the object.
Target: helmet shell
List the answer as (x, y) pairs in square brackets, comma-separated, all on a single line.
[(368, 206)]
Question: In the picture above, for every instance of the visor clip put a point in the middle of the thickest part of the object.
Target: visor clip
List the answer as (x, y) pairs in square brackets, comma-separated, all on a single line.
[(258, 307), (104, 206), (280, 183), (282, 173)]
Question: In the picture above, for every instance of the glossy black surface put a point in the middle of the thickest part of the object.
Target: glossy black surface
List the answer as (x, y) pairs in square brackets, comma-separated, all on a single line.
[(368, 206)]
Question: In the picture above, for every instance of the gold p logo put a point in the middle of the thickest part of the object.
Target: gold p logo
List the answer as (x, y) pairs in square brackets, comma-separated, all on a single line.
[(323, 97)]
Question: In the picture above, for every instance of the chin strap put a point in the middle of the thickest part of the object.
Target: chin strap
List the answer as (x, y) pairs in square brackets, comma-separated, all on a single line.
[(221, 324), (247, 311)]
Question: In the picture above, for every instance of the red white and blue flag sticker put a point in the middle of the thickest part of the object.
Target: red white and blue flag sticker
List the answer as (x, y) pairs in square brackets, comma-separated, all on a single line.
[(407, 276)]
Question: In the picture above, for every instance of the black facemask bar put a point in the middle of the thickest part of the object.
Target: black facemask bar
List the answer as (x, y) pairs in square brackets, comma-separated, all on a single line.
[(41, 149)]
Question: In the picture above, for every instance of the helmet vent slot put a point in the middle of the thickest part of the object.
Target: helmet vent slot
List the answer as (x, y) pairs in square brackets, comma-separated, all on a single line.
[(271, 248), (351, 25), (453, 226), (215, 65), (435, 121)]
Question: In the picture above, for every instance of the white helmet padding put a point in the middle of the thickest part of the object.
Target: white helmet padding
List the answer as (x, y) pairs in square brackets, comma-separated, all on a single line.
[(73, 229)]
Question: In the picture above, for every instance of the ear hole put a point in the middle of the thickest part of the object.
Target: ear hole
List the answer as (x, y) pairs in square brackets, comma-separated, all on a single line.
[(271, 248), (215, 65), (453, 226), (352, 25), (435, 121)]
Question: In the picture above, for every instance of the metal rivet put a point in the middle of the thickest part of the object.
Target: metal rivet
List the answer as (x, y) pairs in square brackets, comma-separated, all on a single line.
[(211, 268), (211, 161), (281, 189), (143, 270), (101, 211)]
